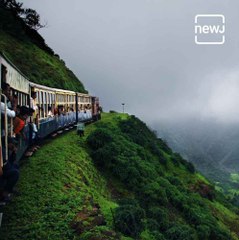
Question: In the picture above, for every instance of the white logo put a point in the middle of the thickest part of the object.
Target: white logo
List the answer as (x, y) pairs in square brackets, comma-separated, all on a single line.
[(210, 29)]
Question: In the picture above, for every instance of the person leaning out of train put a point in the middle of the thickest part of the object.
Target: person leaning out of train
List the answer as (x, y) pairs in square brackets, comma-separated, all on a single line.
[(11, 101), (19, 122), (10, 172), (33, 137), (11, 113), (34, 106)]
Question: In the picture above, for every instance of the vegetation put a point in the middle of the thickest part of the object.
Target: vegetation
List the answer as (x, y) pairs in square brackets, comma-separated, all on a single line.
[(27, 50), (29, 16), (177, 203), (115, 183)]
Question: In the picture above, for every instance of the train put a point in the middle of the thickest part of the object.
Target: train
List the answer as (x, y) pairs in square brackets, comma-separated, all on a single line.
[(67, 107)]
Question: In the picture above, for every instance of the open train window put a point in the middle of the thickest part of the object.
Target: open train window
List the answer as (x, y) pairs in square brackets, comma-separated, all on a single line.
[(3, 73)]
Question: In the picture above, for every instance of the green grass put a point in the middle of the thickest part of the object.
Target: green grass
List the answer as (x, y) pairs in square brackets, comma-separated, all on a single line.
[(235, 177), (55, 184), (61, 179), (29, 54)]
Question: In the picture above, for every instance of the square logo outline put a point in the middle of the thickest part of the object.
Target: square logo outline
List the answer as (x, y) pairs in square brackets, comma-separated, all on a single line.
[(206, 16)]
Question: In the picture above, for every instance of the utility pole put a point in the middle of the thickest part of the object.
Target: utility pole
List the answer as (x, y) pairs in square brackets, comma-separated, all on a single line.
[(123, 106)]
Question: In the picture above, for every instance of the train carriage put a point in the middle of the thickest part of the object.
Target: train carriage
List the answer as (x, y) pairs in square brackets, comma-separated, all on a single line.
[(55, 108), (19, 88)]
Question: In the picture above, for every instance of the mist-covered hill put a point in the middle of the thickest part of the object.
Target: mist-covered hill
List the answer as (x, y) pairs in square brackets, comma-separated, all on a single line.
[(213, 147), (27, 50)]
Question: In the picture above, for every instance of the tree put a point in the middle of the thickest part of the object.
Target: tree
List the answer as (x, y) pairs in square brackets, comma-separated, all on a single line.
[(29, 16), (32, 19)]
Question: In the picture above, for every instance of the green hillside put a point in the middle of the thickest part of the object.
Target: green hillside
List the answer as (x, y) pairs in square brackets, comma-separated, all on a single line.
[(26, 49), (117, 182)]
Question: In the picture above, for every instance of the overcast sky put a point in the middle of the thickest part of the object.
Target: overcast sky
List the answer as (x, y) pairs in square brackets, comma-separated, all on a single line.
[(142, 53)]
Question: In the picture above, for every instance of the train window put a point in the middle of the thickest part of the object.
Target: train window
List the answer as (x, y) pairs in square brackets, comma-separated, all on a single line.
[(49, 98), (42, 105), (3, 73), (20, 99), (45, 104), (24, 99)]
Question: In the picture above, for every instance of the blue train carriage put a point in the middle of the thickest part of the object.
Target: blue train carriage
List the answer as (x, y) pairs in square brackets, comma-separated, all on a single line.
[(55, 109), (19, 84), (84, 107)]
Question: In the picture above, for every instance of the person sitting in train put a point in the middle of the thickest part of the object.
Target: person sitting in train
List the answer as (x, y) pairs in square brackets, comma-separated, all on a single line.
[(50, 113), (81, 113), (55, 112), (88, 112), (60, 110), (85, 114)]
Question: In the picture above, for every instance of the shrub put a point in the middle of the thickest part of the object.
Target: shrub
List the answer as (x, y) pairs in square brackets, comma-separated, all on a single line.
[(129, 218), (180, 232), (99, 138), (203, 232), (161, 216), (190, 167), (163, 146), (154, 193)]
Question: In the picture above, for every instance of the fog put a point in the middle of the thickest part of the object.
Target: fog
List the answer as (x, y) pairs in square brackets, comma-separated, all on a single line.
[(142, 53)]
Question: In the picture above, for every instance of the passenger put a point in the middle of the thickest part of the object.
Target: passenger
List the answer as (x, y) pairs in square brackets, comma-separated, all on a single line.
[(34, 106), (18, 110), (33, 136), (10, 174), (4, 109), (50, 113), (88, 113), (20, 121), (11, 102), (55, 111), (81, 114), (85, 114), (60, 110)]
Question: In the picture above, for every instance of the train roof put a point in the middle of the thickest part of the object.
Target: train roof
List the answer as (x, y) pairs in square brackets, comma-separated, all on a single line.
[(23, 84)]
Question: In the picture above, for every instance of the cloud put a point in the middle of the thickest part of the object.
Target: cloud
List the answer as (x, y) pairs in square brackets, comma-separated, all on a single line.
[(222, 98), (142, 52)]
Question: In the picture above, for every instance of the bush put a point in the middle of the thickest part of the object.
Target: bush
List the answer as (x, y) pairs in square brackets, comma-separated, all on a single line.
[(154, 193), (99, 138), (129, 218), (163, 146), (180, 232), (203, 232), (190, 167), (161, 216)]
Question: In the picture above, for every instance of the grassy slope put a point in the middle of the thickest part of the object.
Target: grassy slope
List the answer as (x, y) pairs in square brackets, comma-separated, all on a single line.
[(30, 55), (60, 180), (56, 183)]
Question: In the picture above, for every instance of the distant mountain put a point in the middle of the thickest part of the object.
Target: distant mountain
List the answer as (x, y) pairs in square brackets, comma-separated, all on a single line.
[(212, 147), (26, 49)]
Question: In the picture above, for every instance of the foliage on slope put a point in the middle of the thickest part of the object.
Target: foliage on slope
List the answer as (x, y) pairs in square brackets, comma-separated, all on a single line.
[(143, 190), (27, 50), (171, 200)]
